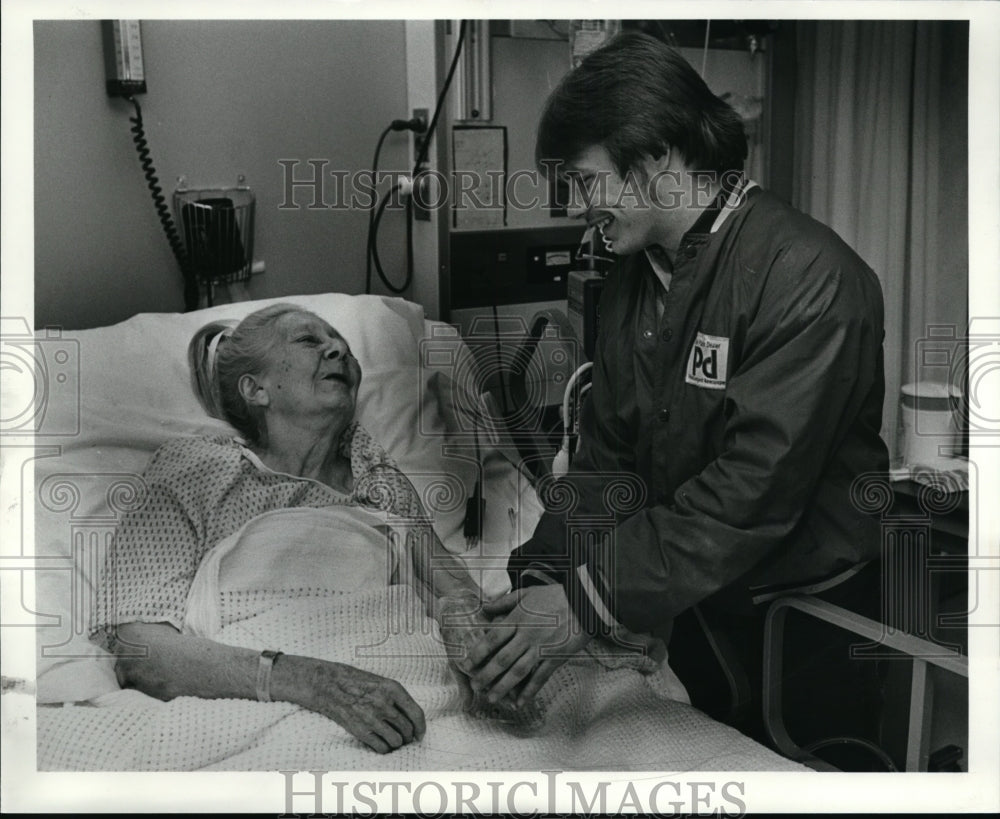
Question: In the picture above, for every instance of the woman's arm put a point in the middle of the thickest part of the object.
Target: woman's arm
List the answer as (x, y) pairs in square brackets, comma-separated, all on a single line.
[(377, 711), (449, 593), (435, 569), (425, 564)]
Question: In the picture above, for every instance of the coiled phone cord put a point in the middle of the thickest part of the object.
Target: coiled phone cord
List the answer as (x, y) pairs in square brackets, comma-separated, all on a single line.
[(162, 211)]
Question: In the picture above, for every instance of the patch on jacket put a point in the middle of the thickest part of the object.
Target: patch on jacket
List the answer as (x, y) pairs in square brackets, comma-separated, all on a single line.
[(706, 365)]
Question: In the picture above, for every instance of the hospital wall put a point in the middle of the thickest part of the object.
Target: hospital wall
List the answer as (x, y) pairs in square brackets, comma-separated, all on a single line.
[(224, 98)]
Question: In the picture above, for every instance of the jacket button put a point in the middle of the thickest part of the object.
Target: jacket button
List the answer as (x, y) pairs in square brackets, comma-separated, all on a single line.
[(667, 334), (664, 415)]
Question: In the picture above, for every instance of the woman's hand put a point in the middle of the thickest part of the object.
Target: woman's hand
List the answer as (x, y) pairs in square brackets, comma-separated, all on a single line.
[(376, 710), (462, 623), (158, 660)]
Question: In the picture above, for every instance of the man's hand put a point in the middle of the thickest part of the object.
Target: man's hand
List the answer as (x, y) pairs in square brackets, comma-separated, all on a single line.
[(463, 625), (537, 633)]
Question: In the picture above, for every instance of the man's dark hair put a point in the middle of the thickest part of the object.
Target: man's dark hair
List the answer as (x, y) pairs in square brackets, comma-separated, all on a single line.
[(637, 96)]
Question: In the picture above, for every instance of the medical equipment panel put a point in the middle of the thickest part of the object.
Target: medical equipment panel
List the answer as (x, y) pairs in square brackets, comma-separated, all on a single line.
[(511, 266)]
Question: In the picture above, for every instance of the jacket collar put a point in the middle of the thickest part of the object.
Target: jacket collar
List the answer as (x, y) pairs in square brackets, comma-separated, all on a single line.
[(736, 199)]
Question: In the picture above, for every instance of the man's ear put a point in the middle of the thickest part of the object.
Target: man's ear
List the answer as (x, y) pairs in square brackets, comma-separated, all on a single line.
[(649, 168), (661, 163), (253, 393)]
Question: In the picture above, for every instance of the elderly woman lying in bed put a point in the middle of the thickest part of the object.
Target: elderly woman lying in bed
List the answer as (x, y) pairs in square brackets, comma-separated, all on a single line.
[(287, 381)]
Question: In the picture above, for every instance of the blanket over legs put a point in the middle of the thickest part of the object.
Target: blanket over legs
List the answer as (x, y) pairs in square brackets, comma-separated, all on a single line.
[(318, 583)]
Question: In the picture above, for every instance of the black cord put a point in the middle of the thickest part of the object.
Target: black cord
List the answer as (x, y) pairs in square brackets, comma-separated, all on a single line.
[(374, 222), (373, 245), (162, 211), (500, 367), (874, 749), (371, 210), (475, 506), (439, 105)]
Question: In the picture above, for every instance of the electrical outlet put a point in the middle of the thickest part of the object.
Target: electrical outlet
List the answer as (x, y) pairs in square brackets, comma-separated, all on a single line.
[(420, 213), (418, 139)]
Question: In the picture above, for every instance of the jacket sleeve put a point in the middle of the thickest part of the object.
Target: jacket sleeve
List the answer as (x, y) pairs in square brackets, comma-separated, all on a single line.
[(605, 457), (809, 360)]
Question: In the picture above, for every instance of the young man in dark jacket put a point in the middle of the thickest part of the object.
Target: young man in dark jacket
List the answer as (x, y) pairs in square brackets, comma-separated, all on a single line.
[(737, 381)]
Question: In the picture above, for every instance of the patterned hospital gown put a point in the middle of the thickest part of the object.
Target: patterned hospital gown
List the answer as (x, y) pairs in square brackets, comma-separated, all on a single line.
[(201, 490)]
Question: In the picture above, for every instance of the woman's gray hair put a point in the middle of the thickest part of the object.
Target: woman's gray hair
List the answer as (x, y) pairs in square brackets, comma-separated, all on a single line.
[(222, 352)]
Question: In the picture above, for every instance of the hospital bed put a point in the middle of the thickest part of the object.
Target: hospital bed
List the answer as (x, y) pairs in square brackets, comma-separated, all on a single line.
[(115, 394)]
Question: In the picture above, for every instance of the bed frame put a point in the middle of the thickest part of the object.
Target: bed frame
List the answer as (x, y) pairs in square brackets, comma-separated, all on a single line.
[(923, 654)]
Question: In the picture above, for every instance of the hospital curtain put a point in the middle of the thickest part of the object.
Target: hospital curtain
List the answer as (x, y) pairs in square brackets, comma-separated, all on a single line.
[(881, 157)]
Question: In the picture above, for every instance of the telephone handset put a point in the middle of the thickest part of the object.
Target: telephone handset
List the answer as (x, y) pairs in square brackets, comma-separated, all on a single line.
[(123, 68), (125, 77)]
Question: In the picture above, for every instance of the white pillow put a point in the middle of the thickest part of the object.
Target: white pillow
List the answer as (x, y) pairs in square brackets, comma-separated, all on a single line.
[(135, 394)]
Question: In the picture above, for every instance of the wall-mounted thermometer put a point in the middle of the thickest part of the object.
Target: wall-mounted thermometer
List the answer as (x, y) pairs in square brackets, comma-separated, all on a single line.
[(123, 58)]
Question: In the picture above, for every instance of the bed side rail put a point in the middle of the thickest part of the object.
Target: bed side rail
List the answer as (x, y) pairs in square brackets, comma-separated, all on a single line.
[(922, 652)]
